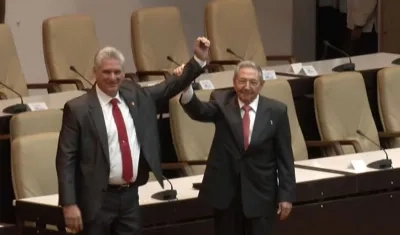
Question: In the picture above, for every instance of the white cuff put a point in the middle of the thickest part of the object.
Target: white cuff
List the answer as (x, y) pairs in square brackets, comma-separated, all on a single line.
[(201, 63), (187, 95)]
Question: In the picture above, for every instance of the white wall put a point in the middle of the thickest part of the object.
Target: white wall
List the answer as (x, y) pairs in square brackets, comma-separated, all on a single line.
[(112, 18)]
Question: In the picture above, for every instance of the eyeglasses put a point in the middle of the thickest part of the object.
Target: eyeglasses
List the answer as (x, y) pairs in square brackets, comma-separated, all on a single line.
[(244, 82)]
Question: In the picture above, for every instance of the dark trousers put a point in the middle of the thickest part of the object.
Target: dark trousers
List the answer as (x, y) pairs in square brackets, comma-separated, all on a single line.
[(232, 221), (366, 44), (119, 215)]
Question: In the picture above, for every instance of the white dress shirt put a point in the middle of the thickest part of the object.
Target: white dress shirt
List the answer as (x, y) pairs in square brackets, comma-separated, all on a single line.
[(188, 94), (362, 13), (112, 136)]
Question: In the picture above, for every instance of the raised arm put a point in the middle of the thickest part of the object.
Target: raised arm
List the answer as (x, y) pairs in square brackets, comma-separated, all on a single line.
[(173, 85), (197, 109), (66, 157)]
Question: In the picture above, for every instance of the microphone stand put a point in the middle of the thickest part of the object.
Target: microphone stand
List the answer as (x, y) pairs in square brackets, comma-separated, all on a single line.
[(343, 67), (15, 108), (379, 164), (166, 195)]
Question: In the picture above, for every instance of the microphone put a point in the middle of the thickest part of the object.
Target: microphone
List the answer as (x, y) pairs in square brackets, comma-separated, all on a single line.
[(379, 164), (173, 61), (166, 195), (73, 69), (294, 75), (234, 54), (16, 108), (343, 67)]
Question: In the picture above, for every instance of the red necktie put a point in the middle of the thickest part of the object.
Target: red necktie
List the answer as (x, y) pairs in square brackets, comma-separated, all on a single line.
[(127, 169), (246, 125)]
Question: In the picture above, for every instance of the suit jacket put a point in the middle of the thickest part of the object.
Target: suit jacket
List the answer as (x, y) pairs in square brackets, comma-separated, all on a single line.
[(82, 160), (253, 171)]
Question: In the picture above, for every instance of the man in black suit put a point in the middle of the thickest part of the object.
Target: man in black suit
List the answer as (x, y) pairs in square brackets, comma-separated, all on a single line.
[(250, 170), (109, 142)]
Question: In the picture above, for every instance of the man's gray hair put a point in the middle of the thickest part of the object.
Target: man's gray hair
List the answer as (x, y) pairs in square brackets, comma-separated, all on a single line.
[(108, 53), (248, 64)]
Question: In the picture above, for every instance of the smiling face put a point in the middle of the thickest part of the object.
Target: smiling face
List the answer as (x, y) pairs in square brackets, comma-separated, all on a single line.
[(247, 84), (109, 76)]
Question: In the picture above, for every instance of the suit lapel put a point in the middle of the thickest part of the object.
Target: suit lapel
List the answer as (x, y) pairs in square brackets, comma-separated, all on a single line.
[(235, 120), (262, 119), (96, 114)]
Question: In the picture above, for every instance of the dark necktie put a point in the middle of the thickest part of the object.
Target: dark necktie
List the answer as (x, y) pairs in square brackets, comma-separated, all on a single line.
[(127, 169), (246, 125)]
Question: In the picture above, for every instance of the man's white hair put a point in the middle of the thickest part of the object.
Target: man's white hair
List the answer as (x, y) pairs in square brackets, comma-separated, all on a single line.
[(108, 53), (248, 64)]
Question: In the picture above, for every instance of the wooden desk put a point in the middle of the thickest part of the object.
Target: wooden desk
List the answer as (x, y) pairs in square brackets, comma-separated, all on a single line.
[(327, 203)]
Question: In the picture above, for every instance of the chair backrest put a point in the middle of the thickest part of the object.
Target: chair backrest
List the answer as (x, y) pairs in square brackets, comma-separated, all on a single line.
[(388, 81), (342, 108), (10, 67), (221, 21), (153, 41), (280, 90), (69, 40), (32, 165), (30, 123), (192, 139)]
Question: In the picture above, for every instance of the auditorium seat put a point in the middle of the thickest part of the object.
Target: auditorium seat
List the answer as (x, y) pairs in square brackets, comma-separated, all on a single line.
[(342, 108), (191, 139), (152, 41), (30, 123), (222, 21), (388, 83), (10, 68), (32, 165), (280, 90), (69, 40)]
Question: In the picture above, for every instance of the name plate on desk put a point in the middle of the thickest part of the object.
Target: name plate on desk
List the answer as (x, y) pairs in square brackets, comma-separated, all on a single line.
[(37, 106), (357, 165), (309, 70), (206, 85), (296, 68), (268, 74)]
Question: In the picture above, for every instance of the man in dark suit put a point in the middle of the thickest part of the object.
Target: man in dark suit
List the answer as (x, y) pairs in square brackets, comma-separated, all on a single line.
[(109, 142), (250, 170)]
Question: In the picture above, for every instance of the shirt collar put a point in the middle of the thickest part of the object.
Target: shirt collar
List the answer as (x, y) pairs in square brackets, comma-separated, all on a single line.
[(105, 99), (253, 105)]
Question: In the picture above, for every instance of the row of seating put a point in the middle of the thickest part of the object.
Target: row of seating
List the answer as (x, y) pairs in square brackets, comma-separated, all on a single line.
[(71, 40), (341, 107)]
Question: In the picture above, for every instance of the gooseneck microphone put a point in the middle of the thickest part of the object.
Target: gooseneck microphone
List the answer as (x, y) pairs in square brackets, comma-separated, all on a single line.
[(73, 69), (172, 60), (379, 164), (166, 195), (15, 108), (234, 54), (343, 67)]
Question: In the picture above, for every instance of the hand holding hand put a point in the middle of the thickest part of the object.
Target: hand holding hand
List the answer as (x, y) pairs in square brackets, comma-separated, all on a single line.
[(201, 48), (178, 71), (284, 210)]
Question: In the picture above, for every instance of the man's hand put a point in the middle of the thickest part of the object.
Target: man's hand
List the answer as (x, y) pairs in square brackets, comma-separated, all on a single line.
[(201, 48), (284, 210), (73, 219), (356, 33), (178, 71)]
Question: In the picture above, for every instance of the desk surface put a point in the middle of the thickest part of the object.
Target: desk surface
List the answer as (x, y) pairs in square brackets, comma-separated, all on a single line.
[(323, 67), (343, 163), (184, 188), (53, 100)]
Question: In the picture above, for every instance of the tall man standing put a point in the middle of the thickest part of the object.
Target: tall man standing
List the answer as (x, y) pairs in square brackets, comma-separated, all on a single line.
[(250, 153), (109, 142)]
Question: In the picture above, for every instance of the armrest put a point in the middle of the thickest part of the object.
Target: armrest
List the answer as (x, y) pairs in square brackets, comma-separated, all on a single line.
[(142, 74), (4, 137), (388, 135), (224, 62), (182, 164), (132, 76), (78, 83), (320, 143), (39, 85), (354, 143), (288, 58)]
